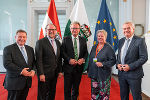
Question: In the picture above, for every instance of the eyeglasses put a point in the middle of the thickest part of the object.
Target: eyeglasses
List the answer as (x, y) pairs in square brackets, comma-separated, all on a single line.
[(128, 28), (51, 29), (75, 28)]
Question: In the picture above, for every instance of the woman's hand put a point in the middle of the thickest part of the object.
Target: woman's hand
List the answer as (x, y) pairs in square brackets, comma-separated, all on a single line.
[(99, 64)]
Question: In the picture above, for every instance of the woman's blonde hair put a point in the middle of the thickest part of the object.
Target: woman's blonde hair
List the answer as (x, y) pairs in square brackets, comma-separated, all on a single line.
[(102, 31)]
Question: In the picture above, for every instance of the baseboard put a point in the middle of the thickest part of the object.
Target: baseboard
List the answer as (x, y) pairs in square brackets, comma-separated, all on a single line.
[(145, 96), (2, 72)]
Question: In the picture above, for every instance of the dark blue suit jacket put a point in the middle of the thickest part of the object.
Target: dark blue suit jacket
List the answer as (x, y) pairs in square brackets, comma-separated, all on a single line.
[(136, 56), (14, 63)]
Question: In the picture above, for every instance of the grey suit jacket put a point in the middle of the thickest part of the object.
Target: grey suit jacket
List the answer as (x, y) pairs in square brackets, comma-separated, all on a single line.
[(14, 63), (107, 57), (48, 63), (136, 56)]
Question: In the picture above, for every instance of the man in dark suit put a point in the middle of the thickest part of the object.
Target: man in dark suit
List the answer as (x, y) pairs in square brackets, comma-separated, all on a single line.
[(132, 54), (74, 53), (18, 60), (49, 63)]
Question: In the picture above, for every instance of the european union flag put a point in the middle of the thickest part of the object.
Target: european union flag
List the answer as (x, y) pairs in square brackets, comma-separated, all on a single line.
[(104, 21)]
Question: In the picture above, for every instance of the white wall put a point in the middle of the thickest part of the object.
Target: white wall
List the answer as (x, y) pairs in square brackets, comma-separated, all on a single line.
[(139, 9), (146, 67), (139, 12), (125, 14)]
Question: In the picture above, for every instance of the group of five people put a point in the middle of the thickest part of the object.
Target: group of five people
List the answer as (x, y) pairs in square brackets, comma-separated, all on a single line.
[(21, 63)]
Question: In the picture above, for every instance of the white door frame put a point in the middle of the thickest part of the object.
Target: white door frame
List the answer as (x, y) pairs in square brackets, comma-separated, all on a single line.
[(32, 16)]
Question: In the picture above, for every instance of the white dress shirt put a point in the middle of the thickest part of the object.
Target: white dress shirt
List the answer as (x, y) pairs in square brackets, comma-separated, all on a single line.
[(123, 47)]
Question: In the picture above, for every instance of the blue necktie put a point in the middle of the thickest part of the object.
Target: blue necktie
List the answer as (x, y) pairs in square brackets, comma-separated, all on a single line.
[(125, 51), (24, 54)]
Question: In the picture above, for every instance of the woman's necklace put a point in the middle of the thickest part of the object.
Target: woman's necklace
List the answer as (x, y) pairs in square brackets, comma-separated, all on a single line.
[(100, 46)]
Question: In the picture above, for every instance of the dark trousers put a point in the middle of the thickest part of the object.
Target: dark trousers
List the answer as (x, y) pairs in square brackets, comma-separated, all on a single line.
[(126, 84), (18, 94), (47, 90), (71, 85)]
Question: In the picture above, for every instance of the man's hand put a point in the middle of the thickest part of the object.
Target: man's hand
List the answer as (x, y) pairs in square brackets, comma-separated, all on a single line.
[(25, 72), (120, 67), (126, 67), (81, 61), (60, 75), (73, 62), (42, 78), (32, 73)]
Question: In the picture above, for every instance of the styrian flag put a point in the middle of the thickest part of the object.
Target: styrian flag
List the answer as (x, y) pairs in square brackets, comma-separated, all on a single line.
[(51, 17), (79, 14)]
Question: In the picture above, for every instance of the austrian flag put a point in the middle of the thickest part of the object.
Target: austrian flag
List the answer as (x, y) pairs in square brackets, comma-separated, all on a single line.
[(51, 17)]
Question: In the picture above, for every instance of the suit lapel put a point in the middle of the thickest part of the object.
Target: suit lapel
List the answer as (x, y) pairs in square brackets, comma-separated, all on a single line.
[(122, 43), (131, 44), (58, 48), (19, 53), (71, 43), (80, 45), (120, 47), (49, 44), (28, 53)]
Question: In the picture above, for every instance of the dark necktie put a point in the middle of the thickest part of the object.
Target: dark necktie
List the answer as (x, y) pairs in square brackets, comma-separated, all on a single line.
[(125, 51), (75, 49)]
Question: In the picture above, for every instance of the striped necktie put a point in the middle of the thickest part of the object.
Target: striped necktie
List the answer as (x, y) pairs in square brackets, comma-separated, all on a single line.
[(52, 41), (24, 54)]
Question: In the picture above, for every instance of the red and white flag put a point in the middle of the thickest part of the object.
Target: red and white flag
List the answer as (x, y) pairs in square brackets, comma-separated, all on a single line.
[(51, 17)]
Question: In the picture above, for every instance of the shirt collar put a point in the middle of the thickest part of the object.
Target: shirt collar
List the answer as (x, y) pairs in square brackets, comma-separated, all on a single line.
[(50, 38), (74, 37), (20, 46), (130, 38)]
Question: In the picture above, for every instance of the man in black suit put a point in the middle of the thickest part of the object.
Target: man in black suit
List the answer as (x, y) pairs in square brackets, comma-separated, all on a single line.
[(18, 60), (132, 54), (74, 53), (49, 63)]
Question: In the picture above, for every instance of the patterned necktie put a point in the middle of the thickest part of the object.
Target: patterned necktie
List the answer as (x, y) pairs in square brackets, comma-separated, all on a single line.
[(52, 41), (125, 51), (24, 54), (75, 49)]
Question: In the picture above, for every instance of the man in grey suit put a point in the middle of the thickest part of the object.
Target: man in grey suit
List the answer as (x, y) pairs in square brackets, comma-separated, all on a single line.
[(132, 54), (18, 60), (74, 53), (49, 63)]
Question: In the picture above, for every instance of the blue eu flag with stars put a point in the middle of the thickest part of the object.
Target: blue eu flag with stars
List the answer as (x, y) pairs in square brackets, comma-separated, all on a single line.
[(104, 21)]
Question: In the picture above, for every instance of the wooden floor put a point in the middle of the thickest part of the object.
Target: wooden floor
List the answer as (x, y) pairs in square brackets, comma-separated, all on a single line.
[(144, 97)]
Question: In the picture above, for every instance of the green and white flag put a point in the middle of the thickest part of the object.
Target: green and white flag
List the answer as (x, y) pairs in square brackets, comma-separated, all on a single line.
[(79, 14)]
